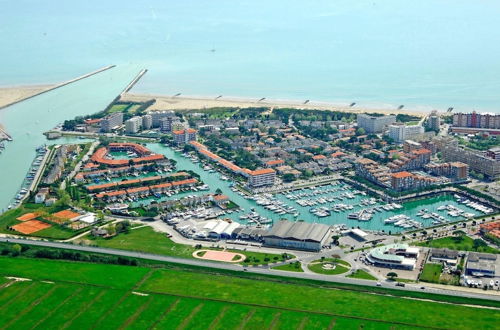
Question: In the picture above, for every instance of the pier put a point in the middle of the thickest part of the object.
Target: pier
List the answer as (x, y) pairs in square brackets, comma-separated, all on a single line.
[(60, 85), (133, 82)]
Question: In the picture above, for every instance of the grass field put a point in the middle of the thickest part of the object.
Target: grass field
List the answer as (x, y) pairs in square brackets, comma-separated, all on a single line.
[(290, 267), (461, 243), (361, 274), (431, 273), (145, 239), (85, 296), (341, 266)]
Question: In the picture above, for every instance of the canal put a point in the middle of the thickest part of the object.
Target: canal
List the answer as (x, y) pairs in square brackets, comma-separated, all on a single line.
[(26, 121)]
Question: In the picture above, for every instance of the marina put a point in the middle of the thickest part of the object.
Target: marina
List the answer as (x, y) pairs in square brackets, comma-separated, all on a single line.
[(334, 204)]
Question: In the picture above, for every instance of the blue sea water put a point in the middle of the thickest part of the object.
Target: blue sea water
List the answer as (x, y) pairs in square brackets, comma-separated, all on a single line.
[(426, 53)]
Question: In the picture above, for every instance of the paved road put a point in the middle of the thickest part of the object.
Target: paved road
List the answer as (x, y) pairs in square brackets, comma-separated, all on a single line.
[(258, 270)]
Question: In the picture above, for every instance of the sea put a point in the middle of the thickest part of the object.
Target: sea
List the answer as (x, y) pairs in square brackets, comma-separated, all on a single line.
[(426, 54)]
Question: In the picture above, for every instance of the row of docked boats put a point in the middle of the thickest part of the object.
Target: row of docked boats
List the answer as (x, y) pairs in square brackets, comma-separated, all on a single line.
[(402, 220)]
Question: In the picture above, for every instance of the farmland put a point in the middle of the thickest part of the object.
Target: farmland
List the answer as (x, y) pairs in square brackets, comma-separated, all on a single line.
[(84, 295)]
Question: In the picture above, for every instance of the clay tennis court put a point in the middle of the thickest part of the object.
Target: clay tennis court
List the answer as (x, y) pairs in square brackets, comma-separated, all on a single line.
[(31, 226), (27, 216), (65, 215), (219, 256)]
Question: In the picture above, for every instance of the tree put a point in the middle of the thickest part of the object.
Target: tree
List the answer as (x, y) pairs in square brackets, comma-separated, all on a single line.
[(360, 131), (288, 177), (16, 249), (392, 275)]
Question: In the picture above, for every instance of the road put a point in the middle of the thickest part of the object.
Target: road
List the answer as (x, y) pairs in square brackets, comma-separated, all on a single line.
[(257, 270)]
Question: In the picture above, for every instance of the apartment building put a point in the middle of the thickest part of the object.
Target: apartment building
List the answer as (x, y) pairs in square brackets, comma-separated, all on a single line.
[(263, 177), (184, 136), (404, 180), (111, 122), (373, 124), (476, 120), (133, 125), (400, 132), (457, 171)]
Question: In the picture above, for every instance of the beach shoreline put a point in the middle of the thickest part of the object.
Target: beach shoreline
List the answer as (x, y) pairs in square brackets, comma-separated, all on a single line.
[(164, 102), (12, 94)]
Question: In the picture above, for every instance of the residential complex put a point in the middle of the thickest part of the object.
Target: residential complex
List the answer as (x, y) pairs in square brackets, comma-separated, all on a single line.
[(133, 125), (476, 120), (476, 160)]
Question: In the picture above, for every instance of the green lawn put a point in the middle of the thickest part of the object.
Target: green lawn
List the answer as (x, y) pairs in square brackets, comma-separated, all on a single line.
[(290, 267), (341, 266), (361, 274), (462, 243), (431, 273), (145, 239)]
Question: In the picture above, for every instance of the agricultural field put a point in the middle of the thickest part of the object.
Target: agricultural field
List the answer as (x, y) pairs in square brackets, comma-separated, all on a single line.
[(84, 296)]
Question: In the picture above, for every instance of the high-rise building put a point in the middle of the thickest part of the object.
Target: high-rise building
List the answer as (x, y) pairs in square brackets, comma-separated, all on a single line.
[(158, 115), (147, 122), (433, 121), (166, 124), (476, 120), (111, 121), (133, 125), (400, 132), (373, 124)]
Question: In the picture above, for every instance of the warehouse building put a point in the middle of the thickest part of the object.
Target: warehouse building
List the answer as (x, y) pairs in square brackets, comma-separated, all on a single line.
[(297, 235)]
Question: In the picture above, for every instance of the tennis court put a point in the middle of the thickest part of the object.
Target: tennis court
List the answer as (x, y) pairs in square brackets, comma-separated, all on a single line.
[(30, 227)]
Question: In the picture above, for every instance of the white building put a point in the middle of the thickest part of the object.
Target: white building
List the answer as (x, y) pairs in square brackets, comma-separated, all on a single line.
[(147, 121), (373, 124), (133, 125), (400, 132), (263, 177), (394, 256), (156, 116)]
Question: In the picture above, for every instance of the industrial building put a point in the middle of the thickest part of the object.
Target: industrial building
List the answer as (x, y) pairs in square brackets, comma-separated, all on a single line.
[(297, 235), (482, 264)]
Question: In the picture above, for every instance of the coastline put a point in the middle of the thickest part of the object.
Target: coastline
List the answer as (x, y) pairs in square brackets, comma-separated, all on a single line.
[(13, 94), (164, 102)]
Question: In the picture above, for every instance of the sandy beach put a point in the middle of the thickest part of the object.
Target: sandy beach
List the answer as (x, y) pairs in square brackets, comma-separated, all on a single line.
[(184, 103), (9, 95)]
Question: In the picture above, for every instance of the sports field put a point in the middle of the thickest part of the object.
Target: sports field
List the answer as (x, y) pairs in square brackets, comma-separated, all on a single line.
[(85, 296)]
